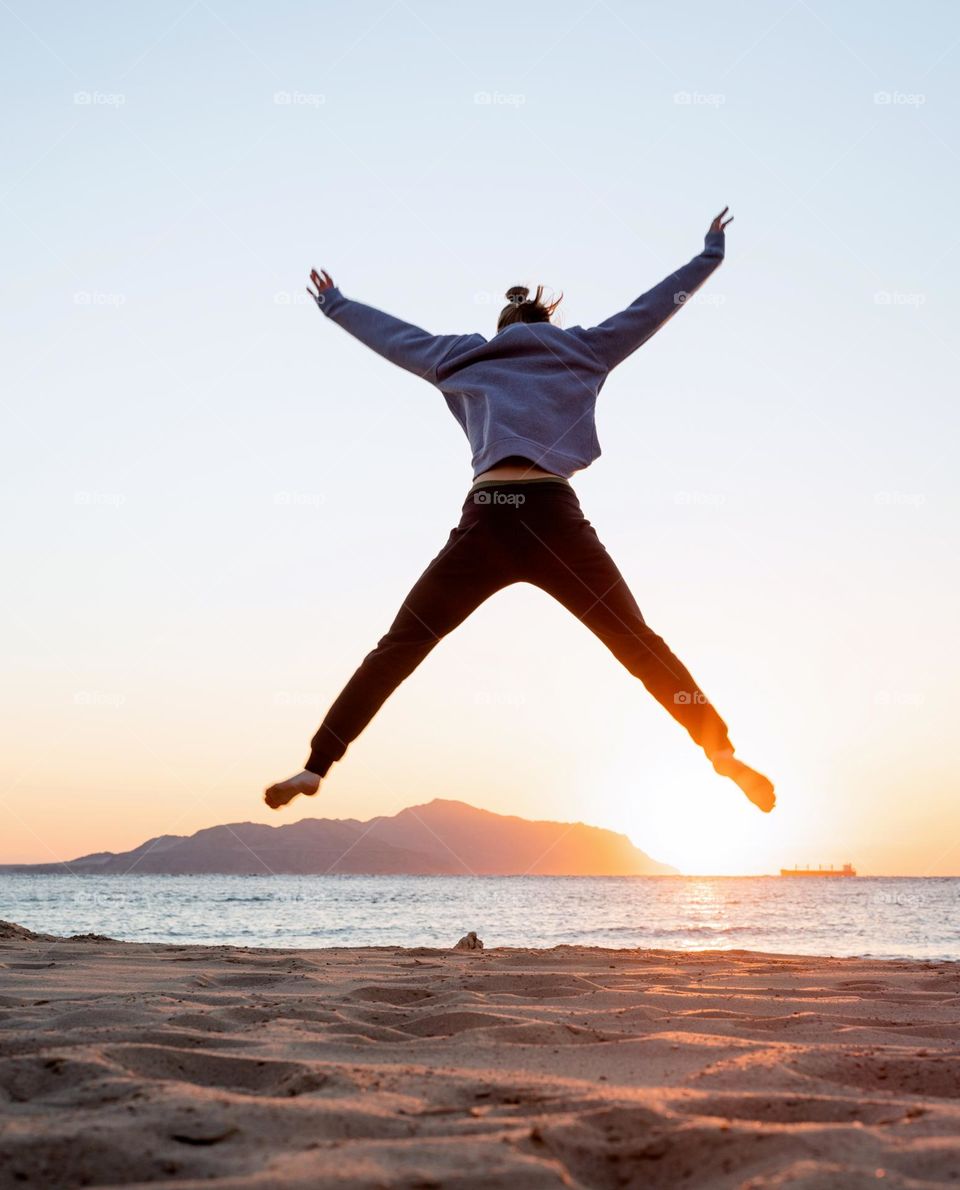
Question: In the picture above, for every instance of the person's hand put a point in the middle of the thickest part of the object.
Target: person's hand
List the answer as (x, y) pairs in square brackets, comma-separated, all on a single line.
[(719, 224), (323, 281)]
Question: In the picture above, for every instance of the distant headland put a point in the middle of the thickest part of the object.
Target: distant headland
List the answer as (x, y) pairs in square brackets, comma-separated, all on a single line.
[(440, 838)]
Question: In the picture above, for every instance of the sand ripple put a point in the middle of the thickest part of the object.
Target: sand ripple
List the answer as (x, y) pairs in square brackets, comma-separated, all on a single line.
[(135, 1065)]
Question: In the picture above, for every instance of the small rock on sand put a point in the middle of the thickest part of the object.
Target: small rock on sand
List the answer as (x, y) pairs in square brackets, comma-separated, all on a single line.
[(470, 942)]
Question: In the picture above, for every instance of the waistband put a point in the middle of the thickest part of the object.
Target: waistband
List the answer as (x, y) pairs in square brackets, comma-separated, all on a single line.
[(507, 483)]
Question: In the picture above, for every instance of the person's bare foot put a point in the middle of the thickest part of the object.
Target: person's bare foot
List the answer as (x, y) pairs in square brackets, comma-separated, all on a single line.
[(755, 785), (285, 791)]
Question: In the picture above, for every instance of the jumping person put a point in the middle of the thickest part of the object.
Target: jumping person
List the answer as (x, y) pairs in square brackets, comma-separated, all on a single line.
[(525, 400)]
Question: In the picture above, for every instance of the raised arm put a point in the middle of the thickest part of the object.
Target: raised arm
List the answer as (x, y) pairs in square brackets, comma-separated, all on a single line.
[(400, 342), (620, 335)]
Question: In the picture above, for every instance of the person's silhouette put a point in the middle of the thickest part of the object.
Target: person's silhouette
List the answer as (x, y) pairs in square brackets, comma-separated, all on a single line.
[(525, 400)]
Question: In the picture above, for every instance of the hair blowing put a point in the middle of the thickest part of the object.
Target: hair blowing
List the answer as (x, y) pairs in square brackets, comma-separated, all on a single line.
[(521, 308)]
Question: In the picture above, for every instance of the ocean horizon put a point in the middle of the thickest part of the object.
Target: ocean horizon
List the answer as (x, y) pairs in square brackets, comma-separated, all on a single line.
[(866, 916)]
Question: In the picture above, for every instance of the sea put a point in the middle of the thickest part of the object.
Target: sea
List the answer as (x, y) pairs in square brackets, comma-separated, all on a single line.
[(882, 917)]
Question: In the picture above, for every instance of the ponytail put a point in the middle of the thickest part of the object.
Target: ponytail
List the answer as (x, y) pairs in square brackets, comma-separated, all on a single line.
[(520, 308)]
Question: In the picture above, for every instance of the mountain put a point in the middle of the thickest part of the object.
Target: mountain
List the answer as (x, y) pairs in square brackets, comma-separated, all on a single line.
[(437, 839)]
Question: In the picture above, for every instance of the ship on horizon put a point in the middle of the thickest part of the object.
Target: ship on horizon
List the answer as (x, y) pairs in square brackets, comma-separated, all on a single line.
[(846, 870)]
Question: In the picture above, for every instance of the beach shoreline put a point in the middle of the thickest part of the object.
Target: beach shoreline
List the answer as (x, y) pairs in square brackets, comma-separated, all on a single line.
[(125, 1064)]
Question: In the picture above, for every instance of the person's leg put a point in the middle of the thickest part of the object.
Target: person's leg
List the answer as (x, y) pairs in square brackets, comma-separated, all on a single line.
[(464, 573), (455, 583), (569, 562)]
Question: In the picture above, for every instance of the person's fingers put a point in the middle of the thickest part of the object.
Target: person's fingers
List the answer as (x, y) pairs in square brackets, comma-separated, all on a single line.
[(321, 279), (729, 221)]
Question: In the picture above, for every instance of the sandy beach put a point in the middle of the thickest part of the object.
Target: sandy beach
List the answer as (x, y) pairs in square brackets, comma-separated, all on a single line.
[(132, 1064)]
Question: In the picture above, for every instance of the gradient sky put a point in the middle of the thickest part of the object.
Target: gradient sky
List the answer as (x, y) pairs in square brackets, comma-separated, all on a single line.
[(214, 501)]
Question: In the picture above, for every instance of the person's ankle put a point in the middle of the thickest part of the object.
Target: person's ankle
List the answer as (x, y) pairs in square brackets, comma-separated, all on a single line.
[(721, 756), (725, 749)]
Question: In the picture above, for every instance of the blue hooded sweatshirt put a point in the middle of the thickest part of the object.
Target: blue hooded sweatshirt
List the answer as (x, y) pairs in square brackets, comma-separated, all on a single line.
[(532, 389)]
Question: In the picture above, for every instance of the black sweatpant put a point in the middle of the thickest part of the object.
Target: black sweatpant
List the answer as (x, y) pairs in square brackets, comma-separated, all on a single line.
[(516, 532)]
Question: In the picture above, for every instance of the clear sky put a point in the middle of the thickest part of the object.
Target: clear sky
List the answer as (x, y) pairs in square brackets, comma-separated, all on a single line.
[(214, 501)]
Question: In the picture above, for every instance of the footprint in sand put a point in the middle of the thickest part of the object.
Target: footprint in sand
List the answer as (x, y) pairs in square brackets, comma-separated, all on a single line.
[(399, 996), (256, 1076), (534, 987), (447, 1024), (49, 1079), (785, 1109), (932, 1076)]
